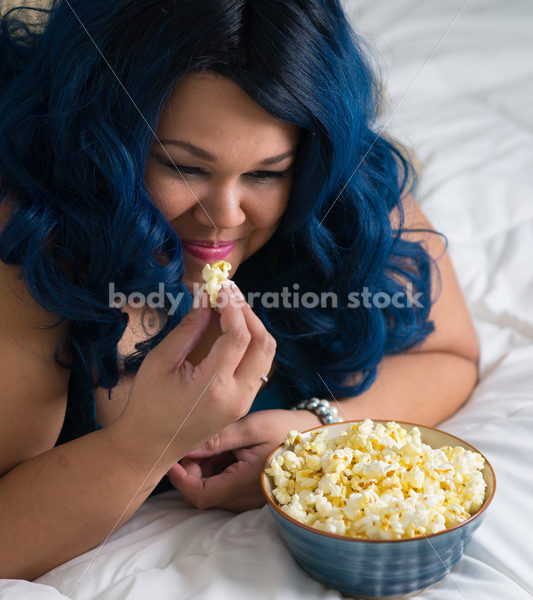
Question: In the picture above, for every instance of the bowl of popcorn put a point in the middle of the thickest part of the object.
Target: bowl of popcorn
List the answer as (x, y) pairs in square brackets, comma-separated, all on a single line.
[(377, 509)]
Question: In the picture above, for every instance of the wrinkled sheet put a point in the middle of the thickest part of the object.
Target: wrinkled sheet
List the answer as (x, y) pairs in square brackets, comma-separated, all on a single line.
[(460, 94)]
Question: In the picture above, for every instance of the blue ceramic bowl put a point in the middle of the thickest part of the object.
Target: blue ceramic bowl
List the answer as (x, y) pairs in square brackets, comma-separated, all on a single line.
[(379, 568)]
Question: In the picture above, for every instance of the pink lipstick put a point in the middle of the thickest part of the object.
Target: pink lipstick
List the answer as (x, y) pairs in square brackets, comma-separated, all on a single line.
[(207, 251)]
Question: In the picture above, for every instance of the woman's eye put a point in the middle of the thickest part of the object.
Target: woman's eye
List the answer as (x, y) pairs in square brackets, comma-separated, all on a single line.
[(183, 169), (257, 175), (266, 175)]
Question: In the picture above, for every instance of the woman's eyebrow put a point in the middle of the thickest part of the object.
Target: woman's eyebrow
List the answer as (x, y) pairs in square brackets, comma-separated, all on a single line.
[(200, 153)]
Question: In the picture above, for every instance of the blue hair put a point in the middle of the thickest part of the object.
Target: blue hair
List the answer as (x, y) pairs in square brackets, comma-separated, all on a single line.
[(74, 144)]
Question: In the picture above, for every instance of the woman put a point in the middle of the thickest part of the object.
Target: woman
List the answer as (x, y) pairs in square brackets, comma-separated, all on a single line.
[(131, 131)]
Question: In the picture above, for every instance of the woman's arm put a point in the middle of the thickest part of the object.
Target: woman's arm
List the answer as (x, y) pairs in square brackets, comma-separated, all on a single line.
[(424, 387), (56, 503), (67, 500), (428, 383)]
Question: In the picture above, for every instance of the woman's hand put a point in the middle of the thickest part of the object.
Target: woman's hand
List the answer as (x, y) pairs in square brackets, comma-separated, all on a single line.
[(173, 406), (225, 472)]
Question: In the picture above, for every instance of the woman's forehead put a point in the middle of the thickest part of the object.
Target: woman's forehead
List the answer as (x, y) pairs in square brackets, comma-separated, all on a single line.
[(207, 108)]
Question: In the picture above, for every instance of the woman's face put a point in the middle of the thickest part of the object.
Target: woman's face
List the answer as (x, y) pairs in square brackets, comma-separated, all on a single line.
[(236, 161)]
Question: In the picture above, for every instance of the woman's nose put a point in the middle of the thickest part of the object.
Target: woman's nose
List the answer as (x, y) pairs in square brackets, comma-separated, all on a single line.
[(220, 207)]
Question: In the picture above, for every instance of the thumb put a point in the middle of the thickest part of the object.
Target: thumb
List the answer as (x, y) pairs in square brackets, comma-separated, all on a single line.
[(178, 343), (233, 436)]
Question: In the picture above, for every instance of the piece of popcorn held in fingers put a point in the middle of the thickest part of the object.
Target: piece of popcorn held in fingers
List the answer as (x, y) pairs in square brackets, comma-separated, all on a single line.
[(216, 277)]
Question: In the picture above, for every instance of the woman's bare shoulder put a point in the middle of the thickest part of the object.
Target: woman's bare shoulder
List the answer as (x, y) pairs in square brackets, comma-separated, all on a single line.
[(34, 388), (16, 302)]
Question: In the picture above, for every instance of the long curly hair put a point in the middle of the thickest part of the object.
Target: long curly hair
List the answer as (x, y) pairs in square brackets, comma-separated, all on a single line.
[(81, 92)]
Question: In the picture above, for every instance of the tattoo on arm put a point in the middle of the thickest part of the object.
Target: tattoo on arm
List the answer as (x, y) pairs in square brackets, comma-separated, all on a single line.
[(151, 321)]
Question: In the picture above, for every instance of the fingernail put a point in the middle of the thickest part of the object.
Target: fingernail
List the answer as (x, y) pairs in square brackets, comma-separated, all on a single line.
[(236, 291)]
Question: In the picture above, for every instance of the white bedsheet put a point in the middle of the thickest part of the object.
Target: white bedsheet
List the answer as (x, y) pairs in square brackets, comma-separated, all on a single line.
[(467, 113)]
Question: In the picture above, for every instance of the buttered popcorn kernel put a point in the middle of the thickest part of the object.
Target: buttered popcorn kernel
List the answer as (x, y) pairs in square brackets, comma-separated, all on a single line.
[(216, 277), (376, 481)]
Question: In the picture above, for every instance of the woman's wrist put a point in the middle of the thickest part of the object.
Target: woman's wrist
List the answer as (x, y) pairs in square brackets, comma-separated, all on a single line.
[(138, 448), (321, 407)]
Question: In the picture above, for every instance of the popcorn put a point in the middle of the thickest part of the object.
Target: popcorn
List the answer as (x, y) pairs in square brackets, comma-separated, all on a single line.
[(376, 481), (216, 277)]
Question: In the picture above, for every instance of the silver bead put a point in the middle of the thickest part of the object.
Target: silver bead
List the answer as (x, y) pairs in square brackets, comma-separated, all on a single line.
[(333, 410), (312, 404), (323, 402), (321, 410), (329, 419)]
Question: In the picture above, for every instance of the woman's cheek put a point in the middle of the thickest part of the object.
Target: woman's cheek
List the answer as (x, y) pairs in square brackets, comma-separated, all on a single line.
[(266, 208), (170, 196)]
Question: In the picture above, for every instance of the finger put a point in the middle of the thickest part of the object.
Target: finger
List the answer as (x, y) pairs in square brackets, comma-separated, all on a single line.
[(176, 475), (219, 491), (179, 342), (230, 347), (185, 476), (216, 490), (213, 465), (192, 468), (207, 467), (228, 488), (198, 468), (235, 435), (260, 353), (176, 471)]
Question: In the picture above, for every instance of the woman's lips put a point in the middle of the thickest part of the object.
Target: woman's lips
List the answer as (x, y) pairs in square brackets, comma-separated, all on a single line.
[(208, 253)]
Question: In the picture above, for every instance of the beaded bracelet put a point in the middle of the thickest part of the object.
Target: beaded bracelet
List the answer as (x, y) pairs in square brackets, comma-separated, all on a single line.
[(322, 408)]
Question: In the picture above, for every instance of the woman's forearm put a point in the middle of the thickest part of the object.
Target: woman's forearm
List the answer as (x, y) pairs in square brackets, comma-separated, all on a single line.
[(422, 387), (67, 500)]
